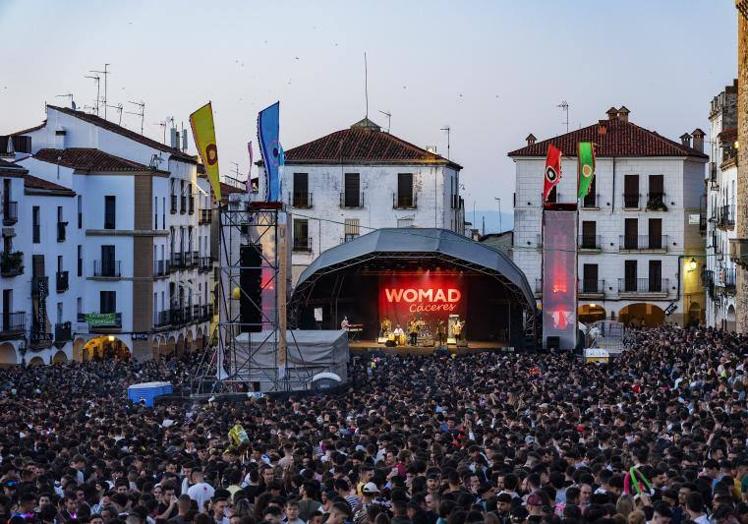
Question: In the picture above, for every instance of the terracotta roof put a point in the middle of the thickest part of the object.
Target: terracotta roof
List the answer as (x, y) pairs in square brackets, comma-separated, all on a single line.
[(363, 143), (32, 182), (612, 138), (176, 154), (729, 135), (87, 159), (10, 167), (29, 130)]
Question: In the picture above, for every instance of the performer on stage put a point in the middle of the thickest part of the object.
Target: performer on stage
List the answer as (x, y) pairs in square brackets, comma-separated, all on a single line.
[(399, 335), (413, 332), (345, 324)]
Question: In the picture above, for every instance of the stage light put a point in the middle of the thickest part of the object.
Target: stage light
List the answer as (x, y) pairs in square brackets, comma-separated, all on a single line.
[(110, 338), (692, 265)]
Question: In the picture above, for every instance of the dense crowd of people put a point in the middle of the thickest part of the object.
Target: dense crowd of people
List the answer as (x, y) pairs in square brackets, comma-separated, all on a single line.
[(658, 435)]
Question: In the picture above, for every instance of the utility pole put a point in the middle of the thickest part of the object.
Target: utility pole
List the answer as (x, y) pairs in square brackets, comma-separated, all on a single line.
[(498, 199), (448, 130)]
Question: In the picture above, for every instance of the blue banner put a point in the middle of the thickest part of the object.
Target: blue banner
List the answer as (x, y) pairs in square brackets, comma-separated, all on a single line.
[(268, 129)]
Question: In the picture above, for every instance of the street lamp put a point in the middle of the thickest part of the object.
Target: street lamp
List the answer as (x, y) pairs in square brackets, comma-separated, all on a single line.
[(692, 265), (498, 199)]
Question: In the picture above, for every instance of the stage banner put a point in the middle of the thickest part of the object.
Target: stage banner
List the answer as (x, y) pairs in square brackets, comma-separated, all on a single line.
[(204, 132), (268, 132), (559, 279), (429, 297)]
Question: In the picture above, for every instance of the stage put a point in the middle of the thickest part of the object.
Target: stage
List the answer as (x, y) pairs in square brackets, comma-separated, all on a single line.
[(366, 346)]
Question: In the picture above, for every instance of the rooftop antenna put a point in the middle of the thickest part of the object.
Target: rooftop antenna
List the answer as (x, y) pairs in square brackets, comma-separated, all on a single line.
[(141, 113), (118, 108), (106, 73), (389, 118), (68, 96), (97, 79), (163, 125), (448, 130), (565, 108), (366, 84)]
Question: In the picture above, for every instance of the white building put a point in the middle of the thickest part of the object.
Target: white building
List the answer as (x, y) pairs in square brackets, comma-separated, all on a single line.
[(640, 246), (362, 178), (129, 225), (721, 204)]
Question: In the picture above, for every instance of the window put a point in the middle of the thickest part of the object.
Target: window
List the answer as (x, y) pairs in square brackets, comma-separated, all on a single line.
[(589, 279), (631, 234), (163, 212), (630, 276), (80, 261), (405, 197), (155, 309), (59, 263), (59, 313), (301, 235), (7, 309), (155, 212), (182, 198), (79, 306), (301, 197), (655, 276), (656, 197), (36, 232), (631, 191), (589, 235), (109, 212), (80, 211), (590, 200), (351, 229), (107, 301), (655, 233), (60, 225), (352, 190), (108, 264)]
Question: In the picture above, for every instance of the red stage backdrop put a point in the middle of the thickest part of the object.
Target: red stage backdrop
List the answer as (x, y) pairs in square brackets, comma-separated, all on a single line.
[(429, 296)]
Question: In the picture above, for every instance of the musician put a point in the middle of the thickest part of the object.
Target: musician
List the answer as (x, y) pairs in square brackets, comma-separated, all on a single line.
[(413, 332), (399, 335), (345, 324), (440, 332)]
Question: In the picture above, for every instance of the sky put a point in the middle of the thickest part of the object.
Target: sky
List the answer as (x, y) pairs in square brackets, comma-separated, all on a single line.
[(493, 71)]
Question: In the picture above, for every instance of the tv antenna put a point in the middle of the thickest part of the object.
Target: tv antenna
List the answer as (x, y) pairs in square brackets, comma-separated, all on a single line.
[(118, 108), (97, 79), (366, 84), (140, 113), (69, 96), (163, 125), (448, 130), (389, 118), (565, 108), (106, 74)]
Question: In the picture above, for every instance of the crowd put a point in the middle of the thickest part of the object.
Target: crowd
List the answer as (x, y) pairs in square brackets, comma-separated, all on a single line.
[(658, 435)]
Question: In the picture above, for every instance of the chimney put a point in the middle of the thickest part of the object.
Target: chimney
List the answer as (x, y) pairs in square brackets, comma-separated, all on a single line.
[(531, 139), (602, 127), (612, 113), (685, 139), (623, 114), (698, 140)]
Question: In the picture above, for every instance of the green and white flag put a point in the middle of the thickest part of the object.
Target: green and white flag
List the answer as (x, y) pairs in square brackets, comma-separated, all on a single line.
[(586, 160)]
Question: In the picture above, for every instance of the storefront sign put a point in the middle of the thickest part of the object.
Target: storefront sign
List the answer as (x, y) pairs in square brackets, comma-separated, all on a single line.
[(139, 336), (101, 319)]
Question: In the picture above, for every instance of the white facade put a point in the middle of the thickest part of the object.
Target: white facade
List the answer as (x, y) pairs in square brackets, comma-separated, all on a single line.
[(721, 183), (606, 247), (147, 258)]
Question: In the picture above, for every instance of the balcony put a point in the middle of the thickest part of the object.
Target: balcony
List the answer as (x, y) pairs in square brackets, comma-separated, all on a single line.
[(177, 316), (177, 260), (107, 268), (640, 287), (13, 324), (63, 332), (726, 217), (302, 244), (656, 201), (182, 204), (191, 205), (173, 204), (351, 200), (206, 216), (187, 315), (206, 264), (10, 212), (644, 243), (631, 200), (589, 243), (725, 280), (61, 231), (591, 289), (405, 201), (163, 319), (300, 200), (101, 321), (11, 264), (39, 338), (160, 268), (62, 281), (591, 201), (196, 259)]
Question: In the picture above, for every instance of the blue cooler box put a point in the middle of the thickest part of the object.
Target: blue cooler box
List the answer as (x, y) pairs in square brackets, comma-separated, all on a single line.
[(148, 392)]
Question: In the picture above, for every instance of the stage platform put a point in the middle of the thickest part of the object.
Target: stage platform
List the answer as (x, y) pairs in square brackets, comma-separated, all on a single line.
[(365, 346)]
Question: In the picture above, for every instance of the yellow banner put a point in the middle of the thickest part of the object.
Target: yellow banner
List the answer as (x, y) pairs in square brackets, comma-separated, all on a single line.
[(205, 140)]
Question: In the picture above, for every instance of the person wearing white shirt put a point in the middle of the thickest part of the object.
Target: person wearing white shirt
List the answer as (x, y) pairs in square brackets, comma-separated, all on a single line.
[(201, 492)]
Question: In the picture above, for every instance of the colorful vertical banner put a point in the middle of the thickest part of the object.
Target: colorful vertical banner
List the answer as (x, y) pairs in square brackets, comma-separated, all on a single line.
[(552, 170), (268, 132), (559, 279), (586, 159), (204, 132)]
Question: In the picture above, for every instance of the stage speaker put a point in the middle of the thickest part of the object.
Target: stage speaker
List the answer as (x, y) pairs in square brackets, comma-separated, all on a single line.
[(250, 281), (553, 342)]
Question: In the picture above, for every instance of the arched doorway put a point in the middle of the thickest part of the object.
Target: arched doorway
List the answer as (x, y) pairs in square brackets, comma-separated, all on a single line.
[(78, 345), (8, 355), (36, 362), (199, 342), (694, 314), (169, 348), (589, 313), (188, 343), (105, 347), (59, 358), (180, 345), (730, 319), (157, 345), (642, 315)]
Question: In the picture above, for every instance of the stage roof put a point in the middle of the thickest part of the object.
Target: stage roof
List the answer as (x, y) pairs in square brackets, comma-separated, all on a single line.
[(420, 242)]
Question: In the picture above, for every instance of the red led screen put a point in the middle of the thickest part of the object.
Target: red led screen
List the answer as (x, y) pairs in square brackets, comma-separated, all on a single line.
[(429, 296)]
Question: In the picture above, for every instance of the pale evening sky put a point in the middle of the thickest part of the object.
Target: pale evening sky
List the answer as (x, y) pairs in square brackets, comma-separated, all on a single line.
[(492, 70)]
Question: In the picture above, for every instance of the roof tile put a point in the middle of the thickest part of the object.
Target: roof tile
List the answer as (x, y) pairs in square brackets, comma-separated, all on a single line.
[(87, 159)]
